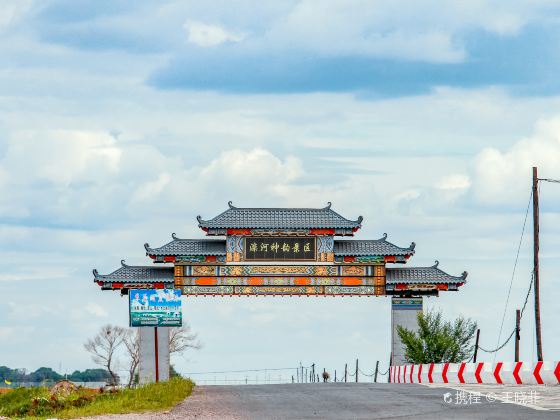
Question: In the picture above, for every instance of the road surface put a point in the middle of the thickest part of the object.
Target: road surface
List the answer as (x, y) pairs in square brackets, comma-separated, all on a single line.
[(344, 401)]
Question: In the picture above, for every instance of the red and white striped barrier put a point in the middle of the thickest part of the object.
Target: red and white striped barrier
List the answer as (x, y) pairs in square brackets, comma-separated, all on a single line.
[(547, 373)]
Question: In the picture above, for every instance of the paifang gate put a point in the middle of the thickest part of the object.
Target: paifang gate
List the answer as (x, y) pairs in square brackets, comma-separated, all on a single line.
[(288, 251)]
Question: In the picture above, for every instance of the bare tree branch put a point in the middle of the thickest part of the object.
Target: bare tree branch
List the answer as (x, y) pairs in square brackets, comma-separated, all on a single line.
[(132, 345), (182, 339), (103, 348)]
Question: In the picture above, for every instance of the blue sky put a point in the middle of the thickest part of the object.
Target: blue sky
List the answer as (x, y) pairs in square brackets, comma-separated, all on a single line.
[(122, 121)]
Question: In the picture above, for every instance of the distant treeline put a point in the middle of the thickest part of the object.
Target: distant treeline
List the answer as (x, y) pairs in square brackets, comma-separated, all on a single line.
[(47, 374)]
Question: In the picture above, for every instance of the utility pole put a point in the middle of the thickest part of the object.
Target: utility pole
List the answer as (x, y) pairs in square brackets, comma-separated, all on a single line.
[(376, 370), (356, 370), (335, 375), (517, 333), (476, 345), (345, 372), (536, 262)]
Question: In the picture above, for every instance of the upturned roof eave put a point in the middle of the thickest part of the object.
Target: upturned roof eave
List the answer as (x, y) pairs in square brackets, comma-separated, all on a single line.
[(439, 276), (393, 250), (117, 275), (164, 250), (215, 222)]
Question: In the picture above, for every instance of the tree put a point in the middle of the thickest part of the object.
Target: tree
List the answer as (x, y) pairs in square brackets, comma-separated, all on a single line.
[(103, 348), (438, 341), (44, 374), (173, 373), (182, 339), (90, 375), (132, 346)]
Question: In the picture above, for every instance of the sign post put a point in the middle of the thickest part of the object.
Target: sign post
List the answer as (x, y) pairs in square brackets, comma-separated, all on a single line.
[(157, 309)]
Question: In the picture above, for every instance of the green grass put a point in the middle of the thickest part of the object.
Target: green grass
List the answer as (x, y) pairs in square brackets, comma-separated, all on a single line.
[(36, 402)]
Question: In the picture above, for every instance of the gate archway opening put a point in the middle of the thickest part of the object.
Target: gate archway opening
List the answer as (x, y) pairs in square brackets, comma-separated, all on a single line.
[(284, 252)]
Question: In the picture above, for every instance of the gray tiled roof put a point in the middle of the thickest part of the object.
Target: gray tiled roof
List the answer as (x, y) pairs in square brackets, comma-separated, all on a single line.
[(139, 274), (422, 275), (370, 247), (189, 247), (279, 218)]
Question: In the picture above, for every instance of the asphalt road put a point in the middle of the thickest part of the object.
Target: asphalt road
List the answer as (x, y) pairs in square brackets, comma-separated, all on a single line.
[(342, 401)]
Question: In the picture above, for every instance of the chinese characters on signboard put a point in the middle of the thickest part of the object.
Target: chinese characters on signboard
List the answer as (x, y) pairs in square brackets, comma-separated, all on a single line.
[(155, 308), (280, 249)]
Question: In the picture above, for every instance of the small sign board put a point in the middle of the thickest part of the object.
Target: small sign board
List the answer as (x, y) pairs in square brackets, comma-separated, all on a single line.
[(155, 307)]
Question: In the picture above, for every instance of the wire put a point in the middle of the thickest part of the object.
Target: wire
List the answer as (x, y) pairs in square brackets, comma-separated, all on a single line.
[(245, 370), (557, 181), (500, 347), (513, 273), (520, 317)]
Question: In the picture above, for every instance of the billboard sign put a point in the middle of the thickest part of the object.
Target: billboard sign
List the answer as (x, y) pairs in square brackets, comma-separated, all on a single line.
[(155, 307), (280, 249)]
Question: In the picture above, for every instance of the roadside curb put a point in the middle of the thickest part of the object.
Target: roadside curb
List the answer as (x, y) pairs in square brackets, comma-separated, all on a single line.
[(512, 373)]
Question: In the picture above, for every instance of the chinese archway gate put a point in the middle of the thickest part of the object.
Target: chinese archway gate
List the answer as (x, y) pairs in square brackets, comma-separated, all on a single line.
[(288, 251)]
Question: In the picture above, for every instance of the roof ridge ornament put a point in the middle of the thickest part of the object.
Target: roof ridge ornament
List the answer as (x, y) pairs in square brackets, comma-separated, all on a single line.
[(464, 275), (384, 238), (174, 236), (360, 219), (436, 264), (329, 204), (147, 247), (230, 204), (123, 264), (95, 272), (412, 246)]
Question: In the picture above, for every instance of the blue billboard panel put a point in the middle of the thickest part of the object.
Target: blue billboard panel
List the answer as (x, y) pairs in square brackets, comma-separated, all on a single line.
[(155, 307)]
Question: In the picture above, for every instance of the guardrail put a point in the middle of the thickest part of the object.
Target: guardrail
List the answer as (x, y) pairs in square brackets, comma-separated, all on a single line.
[(515, 373)]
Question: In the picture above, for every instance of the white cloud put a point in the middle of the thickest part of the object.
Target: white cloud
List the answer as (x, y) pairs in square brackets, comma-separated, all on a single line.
[(241, 170), (363, 28), (151, 189), (205, 35), (96, 310), (61, 157), (454, 182), (427, 30), (25, 311), (505, 177), (14, 332), (12, 10), (33, 272)]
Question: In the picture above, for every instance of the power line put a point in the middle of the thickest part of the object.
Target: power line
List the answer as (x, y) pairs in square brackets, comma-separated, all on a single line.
[(513, 275), (522, 310), (532, 273), (246, 370)]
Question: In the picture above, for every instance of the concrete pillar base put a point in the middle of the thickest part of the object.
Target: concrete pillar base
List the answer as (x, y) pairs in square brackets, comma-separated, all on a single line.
[(147, 363), (404, 312)]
